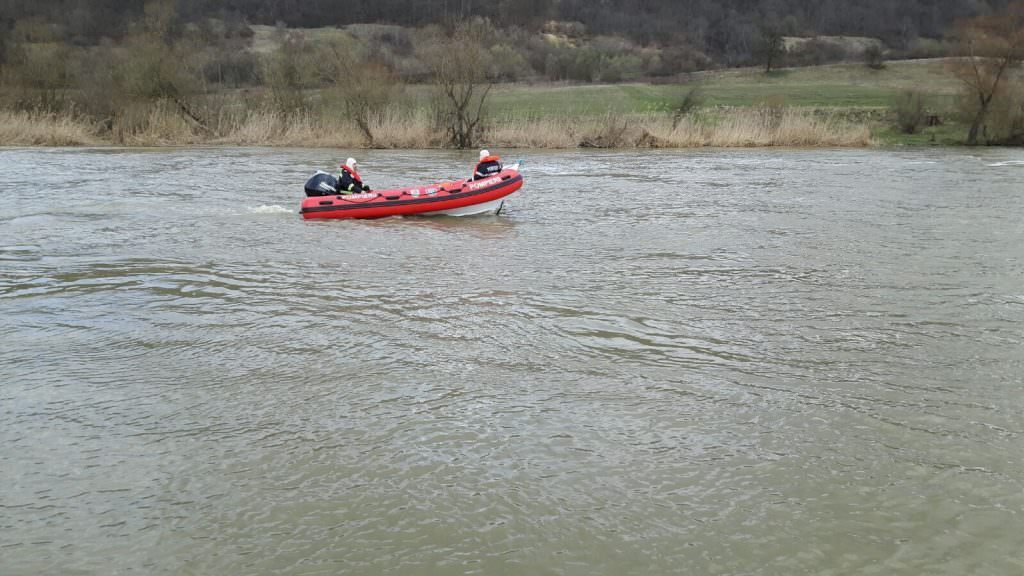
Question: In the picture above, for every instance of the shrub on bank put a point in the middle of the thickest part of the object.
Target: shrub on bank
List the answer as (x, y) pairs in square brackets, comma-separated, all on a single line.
[(909, 111), (874, 57)]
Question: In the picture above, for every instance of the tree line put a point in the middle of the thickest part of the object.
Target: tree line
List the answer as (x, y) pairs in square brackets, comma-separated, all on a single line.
[(725, 30), (172, 54)]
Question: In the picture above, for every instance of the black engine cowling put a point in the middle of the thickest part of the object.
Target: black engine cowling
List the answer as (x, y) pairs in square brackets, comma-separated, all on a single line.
[(322, 184)]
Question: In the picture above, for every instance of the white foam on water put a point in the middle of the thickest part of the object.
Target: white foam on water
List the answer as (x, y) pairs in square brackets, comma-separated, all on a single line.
[(271, 209), (1007, 163)]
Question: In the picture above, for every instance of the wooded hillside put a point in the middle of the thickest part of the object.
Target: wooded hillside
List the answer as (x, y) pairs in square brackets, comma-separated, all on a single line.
[(727, 31)]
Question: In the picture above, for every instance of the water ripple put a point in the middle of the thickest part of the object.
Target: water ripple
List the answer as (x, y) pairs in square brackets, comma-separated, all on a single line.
[(751, 363)]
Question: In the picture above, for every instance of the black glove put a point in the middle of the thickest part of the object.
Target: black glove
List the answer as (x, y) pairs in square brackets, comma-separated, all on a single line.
[(366, 188)]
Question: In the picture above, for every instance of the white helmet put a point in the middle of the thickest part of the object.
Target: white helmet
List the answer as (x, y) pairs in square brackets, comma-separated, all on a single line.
[(484, 154), (351, 163)]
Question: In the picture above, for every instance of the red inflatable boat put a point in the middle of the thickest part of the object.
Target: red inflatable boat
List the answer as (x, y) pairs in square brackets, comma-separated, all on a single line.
[(458, 198)]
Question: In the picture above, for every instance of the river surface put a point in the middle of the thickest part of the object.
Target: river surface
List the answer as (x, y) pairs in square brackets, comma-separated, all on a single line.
[(700, 362)]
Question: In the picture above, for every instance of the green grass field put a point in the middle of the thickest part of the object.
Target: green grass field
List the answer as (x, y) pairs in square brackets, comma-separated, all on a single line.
[(850, 88), (835, 86)]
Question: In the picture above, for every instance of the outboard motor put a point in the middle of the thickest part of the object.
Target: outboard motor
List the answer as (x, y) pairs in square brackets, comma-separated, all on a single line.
[(322, 184)]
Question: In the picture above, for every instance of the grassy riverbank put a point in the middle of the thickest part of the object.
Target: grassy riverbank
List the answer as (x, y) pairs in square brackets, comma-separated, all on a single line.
[(835, 105)]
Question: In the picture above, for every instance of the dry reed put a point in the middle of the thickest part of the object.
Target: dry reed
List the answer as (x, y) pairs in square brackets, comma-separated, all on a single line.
[(45, 129), (300, 128), (162, 124), (402, 129), (153, 125), (735, 128)]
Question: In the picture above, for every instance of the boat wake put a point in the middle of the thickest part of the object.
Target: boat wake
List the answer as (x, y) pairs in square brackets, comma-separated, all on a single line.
[(271, 209), (1007, 163)]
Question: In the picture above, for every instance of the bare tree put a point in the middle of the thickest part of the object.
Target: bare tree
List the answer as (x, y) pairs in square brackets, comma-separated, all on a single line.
[(770, 44), (149, 66), (364, 88), (462, 72), (989, 47), (692, 100), (37, 65), (287, 72)]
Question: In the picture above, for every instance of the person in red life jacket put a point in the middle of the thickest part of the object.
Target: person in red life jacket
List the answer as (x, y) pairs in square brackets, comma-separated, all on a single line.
[(349, 181), (488, 165)]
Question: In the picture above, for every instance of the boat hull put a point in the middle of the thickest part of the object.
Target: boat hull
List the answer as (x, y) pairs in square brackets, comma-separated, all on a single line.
[(492, 207)]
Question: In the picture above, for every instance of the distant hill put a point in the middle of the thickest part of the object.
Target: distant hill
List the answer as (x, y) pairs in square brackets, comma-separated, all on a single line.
[(724, 30)]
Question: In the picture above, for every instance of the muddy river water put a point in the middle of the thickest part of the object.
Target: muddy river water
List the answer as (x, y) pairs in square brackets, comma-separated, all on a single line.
[(694, 362)]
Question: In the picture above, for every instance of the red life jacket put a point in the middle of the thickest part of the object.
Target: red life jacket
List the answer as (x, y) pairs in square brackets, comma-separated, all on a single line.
[(491, 158), (355, 175)]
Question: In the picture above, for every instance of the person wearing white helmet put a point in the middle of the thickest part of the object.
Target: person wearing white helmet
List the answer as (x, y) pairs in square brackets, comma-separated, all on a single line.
[(349, 181), (487, 166)]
